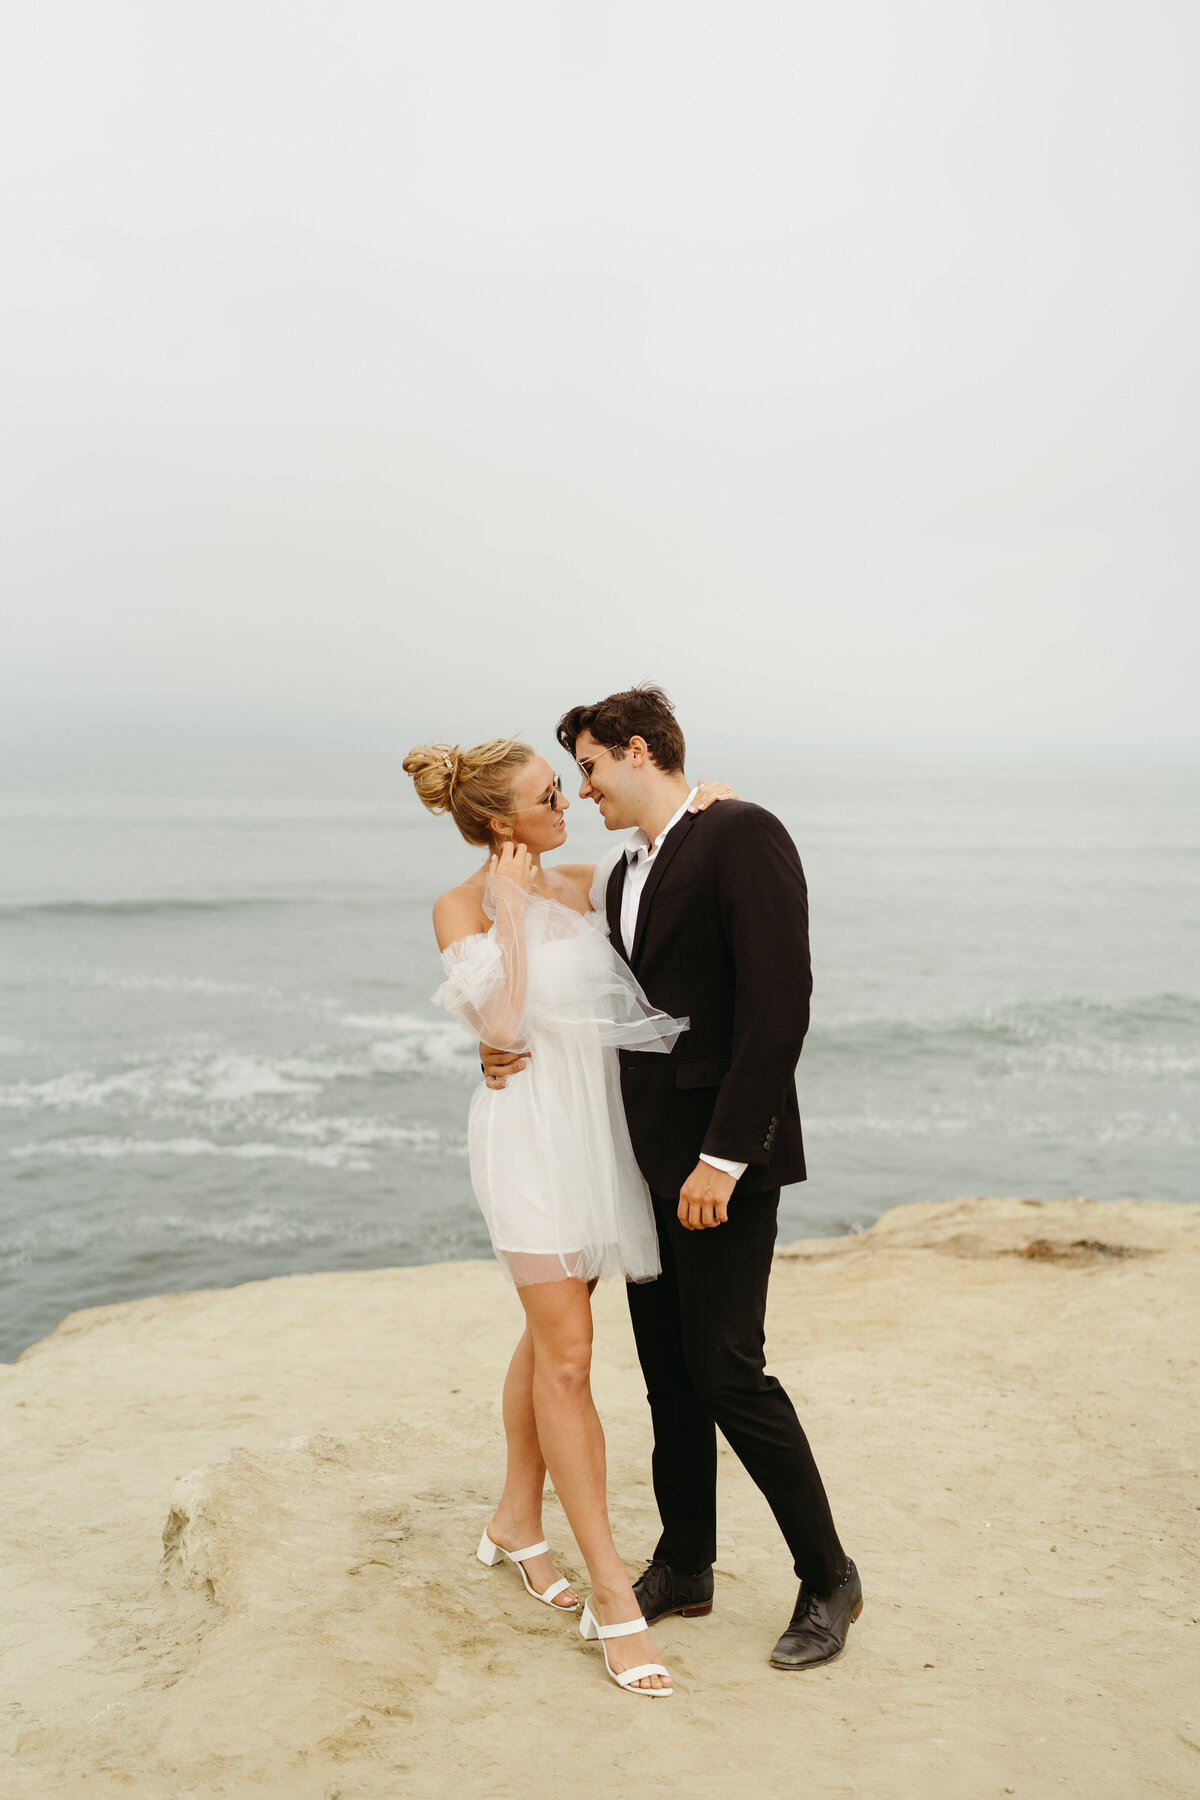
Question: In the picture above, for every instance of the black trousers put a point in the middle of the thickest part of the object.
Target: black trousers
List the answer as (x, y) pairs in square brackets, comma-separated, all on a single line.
[(699, 1332)]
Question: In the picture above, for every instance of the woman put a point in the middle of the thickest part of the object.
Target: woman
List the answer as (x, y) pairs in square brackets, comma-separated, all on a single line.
[(529, 965)]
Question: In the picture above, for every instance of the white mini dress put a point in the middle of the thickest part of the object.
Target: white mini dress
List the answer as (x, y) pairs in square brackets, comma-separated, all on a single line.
[(551, 1162)]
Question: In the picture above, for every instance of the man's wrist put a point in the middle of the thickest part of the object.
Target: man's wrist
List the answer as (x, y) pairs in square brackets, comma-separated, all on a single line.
[(725, 1164)]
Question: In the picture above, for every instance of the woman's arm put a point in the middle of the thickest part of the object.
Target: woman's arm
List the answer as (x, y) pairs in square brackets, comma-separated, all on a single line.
[(487, 991)]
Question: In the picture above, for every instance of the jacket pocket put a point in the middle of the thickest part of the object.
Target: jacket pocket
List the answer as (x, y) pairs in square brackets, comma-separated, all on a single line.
[(701, 1074), (675, 893)]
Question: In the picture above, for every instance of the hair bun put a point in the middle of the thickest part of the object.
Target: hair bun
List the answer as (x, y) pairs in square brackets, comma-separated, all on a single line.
[(435, 768), (474, 786)]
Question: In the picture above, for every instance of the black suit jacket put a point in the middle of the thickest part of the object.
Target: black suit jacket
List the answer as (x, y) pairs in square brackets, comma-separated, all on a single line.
[(722, 937)]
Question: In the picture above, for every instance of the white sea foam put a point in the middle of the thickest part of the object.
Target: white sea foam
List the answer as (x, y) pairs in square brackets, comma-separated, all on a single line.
[(178, 1080), (851, 1125), (406, 1041), (1091, 1057), (398, 1022), (327, 1156), (1132, 1127), (261, 1225), (191, 1079), (1121, 1127), (338, 1142), (138, 981), (365, 1132)]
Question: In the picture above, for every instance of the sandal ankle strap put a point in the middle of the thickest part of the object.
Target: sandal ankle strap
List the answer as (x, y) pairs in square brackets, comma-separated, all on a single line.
[(625, 1630)]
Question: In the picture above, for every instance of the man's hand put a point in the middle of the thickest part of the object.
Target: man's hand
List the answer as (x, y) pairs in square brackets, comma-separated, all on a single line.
[(704, 1198), (498, 1065)]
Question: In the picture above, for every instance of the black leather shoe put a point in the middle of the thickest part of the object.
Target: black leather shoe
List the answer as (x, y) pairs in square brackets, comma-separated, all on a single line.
[(820, 1625), (661, 1591)]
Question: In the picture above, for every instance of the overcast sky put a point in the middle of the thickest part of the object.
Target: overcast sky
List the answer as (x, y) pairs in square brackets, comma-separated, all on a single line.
[(377, 371)]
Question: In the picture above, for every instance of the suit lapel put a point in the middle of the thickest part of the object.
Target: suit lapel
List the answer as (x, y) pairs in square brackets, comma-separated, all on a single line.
[(616, 885), (660, 863)]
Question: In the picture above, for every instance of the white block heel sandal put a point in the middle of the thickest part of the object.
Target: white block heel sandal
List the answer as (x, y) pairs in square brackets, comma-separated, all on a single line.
[(589, 1628), (490, 1553)]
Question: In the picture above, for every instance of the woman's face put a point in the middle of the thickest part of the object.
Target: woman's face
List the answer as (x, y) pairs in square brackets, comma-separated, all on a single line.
[(535, 823)]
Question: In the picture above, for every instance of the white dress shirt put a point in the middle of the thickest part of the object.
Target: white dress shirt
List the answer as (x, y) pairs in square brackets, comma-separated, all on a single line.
[(639, 858)]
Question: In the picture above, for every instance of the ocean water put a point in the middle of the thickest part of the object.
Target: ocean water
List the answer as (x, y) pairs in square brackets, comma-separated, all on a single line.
[(218, 1060)]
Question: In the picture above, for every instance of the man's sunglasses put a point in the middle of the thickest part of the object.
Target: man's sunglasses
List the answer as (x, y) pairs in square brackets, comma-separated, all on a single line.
[(585, 764)]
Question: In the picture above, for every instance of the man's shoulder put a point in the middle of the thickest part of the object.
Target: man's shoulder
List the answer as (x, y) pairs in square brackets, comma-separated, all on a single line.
[(744, 840), (739, 818)]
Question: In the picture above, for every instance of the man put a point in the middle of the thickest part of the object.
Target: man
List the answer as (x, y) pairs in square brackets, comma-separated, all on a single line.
[(710, 910)]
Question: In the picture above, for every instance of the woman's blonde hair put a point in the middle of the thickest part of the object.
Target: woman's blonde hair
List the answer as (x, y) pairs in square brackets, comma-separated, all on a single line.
[(473, 785)]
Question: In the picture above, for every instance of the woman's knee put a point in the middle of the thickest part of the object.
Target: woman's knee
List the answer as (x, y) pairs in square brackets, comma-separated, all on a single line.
[(560, 1320), (564, 1364)]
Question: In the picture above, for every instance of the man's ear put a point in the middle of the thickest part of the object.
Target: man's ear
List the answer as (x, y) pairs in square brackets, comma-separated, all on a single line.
[(639, 749)]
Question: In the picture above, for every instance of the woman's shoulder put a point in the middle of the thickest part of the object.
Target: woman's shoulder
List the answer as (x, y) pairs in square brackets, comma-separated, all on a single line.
[(578, 876), (459, 913), (575, 885)]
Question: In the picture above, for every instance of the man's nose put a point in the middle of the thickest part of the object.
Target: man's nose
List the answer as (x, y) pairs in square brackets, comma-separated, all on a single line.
[(585, 787)]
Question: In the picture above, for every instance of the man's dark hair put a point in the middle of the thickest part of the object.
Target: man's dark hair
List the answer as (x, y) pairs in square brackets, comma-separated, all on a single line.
[(643, 712)]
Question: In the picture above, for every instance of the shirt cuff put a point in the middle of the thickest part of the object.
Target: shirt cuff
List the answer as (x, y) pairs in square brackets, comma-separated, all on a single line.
[(736, 1169)]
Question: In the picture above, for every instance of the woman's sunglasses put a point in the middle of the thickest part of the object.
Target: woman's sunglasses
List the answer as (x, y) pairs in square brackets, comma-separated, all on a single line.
[(553, 797)]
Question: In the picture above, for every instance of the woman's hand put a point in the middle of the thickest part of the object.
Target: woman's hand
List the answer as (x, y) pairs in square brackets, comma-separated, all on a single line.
[(709, 792), (514, 864)]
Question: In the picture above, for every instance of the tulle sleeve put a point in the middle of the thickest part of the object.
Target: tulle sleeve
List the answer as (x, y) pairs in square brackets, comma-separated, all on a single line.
[(473, 986), (485, 986)]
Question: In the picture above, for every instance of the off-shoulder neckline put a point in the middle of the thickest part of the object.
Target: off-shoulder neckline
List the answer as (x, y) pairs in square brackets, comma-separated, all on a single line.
[(476, 937)]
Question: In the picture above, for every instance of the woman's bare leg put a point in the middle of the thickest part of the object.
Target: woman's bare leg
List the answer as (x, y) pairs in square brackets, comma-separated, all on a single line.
[(517, 1520), (572, 1442)]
